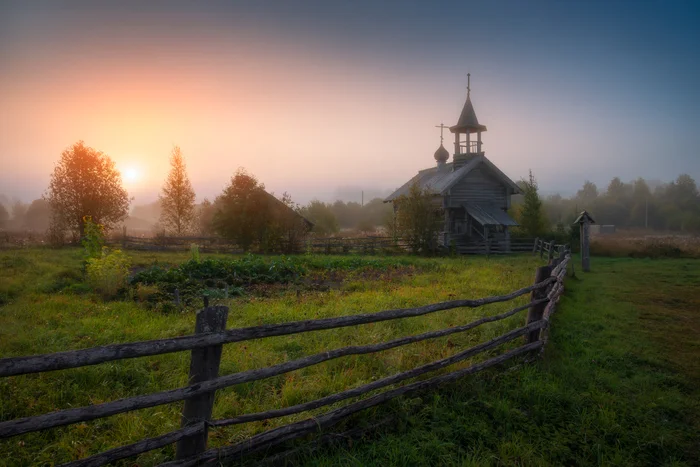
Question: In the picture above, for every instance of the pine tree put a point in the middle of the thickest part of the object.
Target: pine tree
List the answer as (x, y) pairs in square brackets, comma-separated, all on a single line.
[(177, 197), (531, 214)]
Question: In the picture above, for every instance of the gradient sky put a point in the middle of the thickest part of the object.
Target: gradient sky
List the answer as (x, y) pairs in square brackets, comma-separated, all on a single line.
[(315, 96)]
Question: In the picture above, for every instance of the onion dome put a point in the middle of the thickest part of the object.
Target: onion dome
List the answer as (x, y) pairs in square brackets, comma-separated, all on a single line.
[(441, 155)]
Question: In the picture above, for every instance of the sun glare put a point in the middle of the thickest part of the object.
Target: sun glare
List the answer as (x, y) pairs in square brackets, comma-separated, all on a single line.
[(132, 174)]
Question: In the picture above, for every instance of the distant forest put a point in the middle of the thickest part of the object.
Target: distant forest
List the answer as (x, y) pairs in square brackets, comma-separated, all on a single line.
[(672, 207)]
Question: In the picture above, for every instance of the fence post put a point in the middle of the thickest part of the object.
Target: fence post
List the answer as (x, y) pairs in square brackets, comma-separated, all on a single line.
[(534, 247), (550, 252), (541, 248), (535, 312), (204, 365), (488, 247)]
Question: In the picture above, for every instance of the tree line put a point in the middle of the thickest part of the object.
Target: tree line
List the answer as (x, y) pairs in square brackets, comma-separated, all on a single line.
[(641, 204)]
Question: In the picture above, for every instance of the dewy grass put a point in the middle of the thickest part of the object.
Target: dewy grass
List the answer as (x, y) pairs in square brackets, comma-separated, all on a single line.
[(617, 384), (41, 317)]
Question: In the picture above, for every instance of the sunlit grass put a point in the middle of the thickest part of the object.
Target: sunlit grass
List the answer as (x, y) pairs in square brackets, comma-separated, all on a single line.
[(45, 311)]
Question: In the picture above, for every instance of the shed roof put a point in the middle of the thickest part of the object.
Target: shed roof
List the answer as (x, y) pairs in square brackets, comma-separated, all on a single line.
[(487, 214)]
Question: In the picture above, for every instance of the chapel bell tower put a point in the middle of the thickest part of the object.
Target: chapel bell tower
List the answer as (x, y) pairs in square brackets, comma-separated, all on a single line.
[(467, 131)]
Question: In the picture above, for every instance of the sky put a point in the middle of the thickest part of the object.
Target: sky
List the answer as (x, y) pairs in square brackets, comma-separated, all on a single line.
[(325, 99)]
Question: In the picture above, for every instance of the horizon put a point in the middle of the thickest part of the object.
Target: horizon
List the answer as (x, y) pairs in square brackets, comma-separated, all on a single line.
[(321, 101)]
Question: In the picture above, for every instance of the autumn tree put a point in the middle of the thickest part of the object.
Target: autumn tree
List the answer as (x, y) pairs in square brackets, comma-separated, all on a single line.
[(85, 182), (177, 197)]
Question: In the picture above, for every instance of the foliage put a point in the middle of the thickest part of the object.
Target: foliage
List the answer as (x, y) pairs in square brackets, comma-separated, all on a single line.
[(194, 252), (351, 215), (419, 219), (529, 214), (177, 197), (94, 239), (205, 217), (252, 218), (672, 206), (4, 215), (85, 182), (108, 273), (321, 214)]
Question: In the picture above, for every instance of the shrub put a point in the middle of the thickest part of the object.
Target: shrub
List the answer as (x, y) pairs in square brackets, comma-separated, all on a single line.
[(108, 273), (94, 238), (194, 252)]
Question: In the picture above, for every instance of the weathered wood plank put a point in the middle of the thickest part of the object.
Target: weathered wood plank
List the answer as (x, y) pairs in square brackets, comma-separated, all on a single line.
[(77, 358), (79, 414), (380, 383), (204, 366), (304, 427), (140, 447), (535, 311)]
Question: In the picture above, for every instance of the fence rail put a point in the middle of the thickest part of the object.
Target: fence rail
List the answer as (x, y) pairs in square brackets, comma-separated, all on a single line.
[(206, 344)]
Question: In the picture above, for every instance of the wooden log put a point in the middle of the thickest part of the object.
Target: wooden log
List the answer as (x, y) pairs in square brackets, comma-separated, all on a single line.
[(380, 383), (281, 434), (77, 358), (585, 247), (80, 414), (204, 366), (145, 445), (535, 311)]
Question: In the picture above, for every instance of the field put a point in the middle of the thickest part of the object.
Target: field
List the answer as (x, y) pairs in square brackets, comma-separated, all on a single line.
[(617, 385)]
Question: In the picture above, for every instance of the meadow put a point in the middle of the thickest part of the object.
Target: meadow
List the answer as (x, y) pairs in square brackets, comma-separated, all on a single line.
[(46, 307)]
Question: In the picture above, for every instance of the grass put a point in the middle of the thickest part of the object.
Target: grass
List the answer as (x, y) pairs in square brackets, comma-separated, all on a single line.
[(45, 308), (618, 385)]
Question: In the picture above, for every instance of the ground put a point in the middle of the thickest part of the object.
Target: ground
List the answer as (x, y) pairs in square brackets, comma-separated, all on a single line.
[(617, 383)]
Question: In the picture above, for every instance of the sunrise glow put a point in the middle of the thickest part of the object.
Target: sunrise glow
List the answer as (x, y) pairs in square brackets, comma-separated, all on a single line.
[(132, 174)]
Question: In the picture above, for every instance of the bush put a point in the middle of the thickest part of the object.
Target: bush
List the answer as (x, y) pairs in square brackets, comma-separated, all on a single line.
[(108, 274)]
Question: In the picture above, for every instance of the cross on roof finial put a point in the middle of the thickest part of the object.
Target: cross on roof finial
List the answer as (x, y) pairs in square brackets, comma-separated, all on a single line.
[(469, 79), (442, 128)]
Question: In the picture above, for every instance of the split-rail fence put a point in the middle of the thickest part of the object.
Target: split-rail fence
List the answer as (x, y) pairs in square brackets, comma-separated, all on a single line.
[(204, 379)]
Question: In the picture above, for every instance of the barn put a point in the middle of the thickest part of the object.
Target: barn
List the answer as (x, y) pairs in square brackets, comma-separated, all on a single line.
[(474, 193)]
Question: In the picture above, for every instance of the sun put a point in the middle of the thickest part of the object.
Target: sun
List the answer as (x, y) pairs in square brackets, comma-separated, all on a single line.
[(132, 174)]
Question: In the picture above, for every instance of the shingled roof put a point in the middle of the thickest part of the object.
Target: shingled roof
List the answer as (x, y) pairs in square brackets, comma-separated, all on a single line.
[(439, 181), (467, 119)]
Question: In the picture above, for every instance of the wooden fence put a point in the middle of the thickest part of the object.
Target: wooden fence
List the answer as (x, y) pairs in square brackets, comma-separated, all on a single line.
[(206, 345), (319, 245)]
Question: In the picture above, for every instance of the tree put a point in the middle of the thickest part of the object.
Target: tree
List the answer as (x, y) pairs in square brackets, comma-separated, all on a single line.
[(19, 210), (38, 215), (205, 217), (4, 215), (419, 219), (86, 183), (249, 216), (177, 197), (530, 214), (322, 216), (588, 193)]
